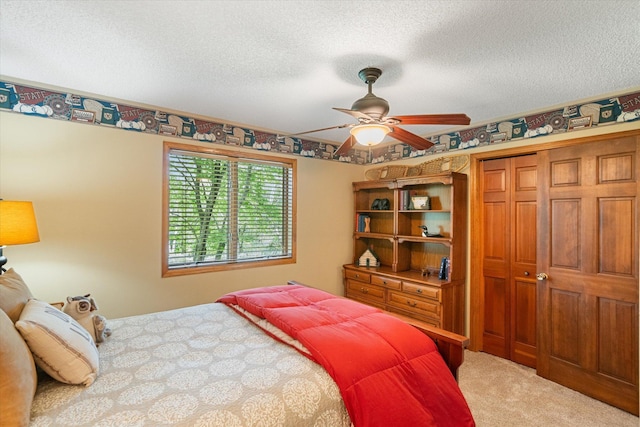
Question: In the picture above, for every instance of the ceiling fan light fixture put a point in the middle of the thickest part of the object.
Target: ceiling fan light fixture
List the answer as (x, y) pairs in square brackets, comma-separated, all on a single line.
[(370, 134)]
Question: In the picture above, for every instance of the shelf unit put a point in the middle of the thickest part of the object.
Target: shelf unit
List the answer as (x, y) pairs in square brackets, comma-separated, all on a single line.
[(406, 281)]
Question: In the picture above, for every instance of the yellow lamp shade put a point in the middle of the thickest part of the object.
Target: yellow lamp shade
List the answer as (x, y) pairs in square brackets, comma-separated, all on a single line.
[(17, 223), (370, 134)]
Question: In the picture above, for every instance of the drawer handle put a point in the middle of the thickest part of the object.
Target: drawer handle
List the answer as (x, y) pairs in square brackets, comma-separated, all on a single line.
[(419, 290), (384, 282), (364, 290), (357, 276), (412, 303)]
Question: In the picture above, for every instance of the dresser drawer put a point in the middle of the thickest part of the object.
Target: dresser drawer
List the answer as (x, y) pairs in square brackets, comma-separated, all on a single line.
[(387, 282), (358, 275), (365, 292), (415, 305), (430, 319), (422, 290)]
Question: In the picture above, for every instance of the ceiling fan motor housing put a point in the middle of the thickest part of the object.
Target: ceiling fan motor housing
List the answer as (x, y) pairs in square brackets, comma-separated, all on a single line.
[(372, 106)]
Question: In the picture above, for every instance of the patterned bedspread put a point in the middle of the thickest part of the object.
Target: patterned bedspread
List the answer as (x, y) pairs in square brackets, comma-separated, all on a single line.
[(197, 366)]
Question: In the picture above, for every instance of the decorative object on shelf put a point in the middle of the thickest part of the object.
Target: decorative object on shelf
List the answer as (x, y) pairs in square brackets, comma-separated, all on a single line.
[(444, 164), (17, 226), (428, 271), (431, 167), (425, 232), (421, 202), (368, 259), (413, 171), (386, 172), (364, 223), (381, 205)]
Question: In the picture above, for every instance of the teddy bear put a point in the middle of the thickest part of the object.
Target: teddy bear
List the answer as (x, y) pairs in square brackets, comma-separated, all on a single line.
[(82, 309)]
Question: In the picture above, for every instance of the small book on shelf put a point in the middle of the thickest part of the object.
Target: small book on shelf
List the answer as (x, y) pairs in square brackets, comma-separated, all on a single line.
[(405, 200)]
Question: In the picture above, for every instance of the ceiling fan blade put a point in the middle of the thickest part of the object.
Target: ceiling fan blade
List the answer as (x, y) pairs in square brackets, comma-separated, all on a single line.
[(345, 147), (320, 130), (417, 142), (434, 119), (355, 113)]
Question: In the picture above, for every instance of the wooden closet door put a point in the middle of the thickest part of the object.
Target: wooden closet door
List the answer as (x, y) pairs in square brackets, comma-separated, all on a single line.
[(509, 191), (524, 204), (588, 248), (496, 211)]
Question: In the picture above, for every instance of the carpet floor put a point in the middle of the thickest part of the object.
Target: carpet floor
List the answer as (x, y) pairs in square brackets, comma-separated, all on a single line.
[(503, 393)]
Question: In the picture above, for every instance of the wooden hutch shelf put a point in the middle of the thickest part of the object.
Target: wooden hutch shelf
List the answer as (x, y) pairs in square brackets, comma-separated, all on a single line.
[(407, 278)]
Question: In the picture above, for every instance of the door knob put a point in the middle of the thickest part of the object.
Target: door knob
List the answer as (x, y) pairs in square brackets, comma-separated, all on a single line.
[(542, 276)]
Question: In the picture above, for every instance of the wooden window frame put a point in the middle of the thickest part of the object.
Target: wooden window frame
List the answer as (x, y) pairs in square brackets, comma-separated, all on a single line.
[(170, 271)]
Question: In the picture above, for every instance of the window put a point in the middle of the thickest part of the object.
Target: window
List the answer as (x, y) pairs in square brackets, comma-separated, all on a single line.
[(225, 210)]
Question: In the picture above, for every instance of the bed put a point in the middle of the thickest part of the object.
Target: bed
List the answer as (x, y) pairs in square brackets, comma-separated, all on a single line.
[(227, 364)]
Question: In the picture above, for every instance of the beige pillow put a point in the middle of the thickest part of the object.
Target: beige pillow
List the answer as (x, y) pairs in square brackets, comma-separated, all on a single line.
[(14, 294), (60, 346), (17, 376)]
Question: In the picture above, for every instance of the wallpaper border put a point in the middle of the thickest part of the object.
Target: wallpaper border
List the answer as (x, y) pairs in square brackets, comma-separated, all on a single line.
[(35, 101)]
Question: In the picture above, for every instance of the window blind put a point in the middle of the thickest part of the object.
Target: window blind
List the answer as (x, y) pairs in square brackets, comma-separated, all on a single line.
[(226, 209)]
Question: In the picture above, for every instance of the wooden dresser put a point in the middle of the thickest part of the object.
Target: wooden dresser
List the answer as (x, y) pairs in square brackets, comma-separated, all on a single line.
[(438, 304)]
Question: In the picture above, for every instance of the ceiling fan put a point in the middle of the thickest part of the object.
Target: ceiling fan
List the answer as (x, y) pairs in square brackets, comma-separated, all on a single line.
[(373, 124)]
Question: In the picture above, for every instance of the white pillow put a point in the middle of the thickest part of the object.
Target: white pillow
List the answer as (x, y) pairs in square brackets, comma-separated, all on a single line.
[(60, 346)]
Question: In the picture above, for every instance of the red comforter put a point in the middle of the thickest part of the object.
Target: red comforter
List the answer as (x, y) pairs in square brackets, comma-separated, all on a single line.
[(388, 372)]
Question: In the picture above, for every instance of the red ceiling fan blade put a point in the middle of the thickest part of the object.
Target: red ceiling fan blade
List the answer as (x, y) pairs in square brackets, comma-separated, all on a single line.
[(349, 125), (417, 142), (345, 147), (434, 119)]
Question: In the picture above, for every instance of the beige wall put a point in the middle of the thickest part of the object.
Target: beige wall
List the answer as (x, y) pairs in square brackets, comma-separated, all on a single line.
[(97, 193)]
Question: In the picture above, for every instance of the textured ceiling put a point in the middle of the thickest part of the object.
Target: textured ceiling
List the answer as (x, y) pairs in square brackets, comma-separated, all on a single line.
[(282, 65)]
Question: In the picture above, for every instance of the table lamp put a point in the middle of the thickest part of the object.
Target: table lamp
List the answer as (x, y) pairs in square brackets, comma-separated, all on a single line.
[(17, 226)]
